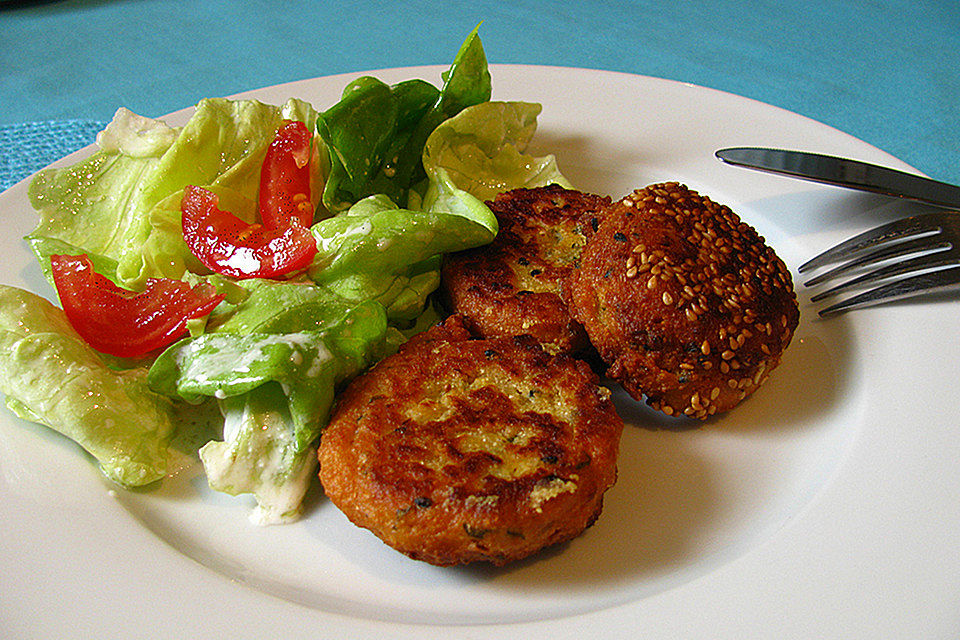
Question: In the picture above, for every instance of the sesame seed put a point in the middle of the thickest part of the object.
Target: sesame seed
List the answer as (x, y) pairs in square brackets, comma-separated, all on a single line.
[(667, 298)]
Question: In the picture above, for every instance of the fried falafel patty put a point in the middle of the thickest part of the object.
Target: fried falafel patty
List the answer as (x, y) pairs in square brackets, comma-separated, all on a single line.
[(685, 302), (513, 285), (457, 450)]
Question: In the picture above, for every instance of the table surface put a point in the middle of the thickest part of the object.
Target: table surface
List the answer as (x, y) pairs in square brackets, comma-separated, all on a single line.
[(885, 71)]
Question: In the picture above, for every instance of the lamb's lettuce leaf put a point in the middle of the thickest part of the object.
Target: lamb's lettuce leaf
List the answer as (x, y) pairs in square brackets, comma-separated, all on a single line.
[(375, 133)]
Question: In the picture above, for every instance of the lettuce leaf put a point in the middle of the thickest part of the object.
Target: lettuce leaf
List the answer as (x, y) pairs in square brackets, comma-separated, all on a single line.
[(366, 133), (51, 376), (96, 206), (222, 148), (481, 150), (260, 455), (122, 204), (375, 133), (274, 376), (376, 250)]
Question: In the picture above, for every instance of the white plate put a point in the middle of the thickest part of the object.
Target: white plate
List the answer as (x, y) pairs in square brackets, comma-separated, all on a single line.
[(825, 506)]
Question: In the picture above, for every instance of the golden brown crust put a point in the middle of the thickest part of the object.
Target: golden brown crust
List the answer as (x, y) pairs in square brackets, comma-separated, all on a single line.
[(513, 285), (684, 301), (455, 450)]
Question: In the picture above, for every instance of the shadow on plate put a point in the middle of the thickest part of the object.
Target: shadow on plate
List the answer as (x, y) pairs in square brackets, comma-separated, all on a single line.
[(832, 208)]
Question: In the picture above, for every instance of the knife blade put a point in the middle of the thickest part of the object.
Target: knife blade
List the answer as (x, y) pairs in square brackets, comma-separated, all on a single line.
[(843, 172)]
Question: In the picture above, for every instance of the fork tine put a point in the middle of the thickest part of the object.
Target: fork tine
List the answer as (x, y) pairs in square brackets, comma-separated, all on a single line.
[(900, 289), (884, 252), (902, 228), (911, 265)]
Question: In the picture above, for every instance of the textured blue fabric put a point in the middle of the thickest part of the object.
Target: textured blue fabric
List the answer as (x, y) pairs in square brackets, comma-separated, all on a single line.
[(885, 71), (30, 146)]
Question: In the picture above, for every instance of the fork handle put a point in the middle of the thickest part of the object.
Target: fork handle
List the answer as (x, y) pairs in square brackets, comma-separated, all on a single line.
[(842, 172)]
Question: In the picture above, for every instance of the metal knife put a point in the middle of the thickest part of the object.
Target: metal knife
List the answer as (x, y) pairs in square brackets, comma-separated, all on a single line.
[(843, 172)]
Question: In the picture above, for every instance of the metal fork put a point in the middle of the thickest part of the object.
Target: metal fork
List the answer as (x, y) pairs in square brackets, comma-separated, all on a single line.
[(919, 254)]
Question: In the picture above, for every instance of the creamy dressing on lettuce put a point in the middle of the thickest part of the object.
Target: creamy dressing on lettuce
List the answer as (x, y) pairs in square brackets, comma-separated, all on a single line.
[(276, 475)]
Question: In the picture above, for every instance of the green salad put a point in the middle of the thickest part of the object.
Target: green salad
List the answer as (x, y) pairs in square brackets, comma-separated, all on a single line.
[(398, 176)]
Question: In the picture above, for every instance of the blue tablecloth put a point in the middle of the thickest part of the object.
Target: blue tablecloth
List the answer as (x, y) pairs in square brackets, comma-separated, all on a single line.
[(885, 71)]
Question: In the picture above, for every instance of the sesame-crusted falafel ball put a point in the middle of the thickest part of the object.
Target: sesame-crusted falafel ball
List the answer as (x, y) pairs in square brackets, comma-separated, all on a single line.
[(684, 301)]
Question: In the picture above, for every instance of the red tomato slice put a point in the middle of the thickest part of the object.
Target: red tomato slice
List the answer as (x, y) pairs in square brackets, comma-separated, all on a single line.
[(228, 245), (127, 323), (285, 178)]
